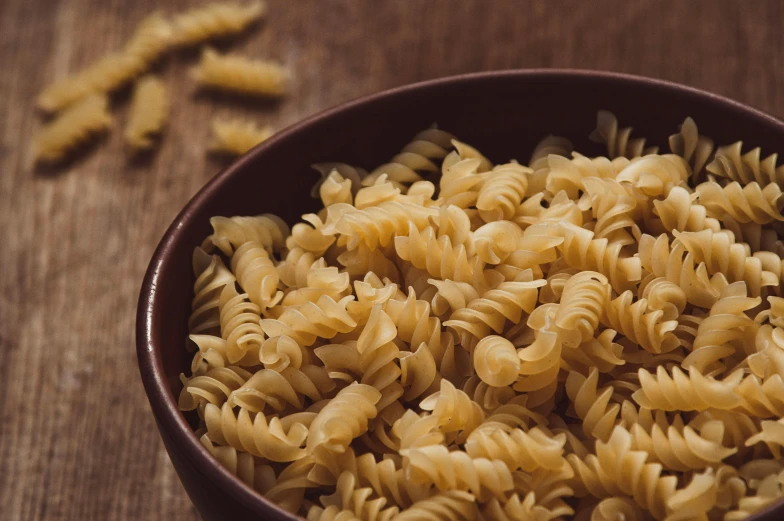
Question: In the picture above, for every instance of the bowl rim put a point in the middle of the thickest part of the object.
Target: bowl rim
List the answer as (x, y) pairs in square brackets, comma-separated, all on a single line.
[(164, 405)]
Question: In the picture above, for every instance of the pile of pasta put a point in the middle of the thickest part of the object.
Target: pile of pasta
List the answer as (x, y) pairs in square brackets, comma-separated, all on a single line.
[(82, 105), (454, 339)]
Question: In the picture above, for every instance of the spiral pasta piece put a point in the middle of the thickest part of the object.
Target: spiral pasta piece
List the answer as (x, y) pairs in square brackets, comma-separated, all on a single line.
[(215, 20), (229, 233), (236, 137), (148, 113), (496, 361), (240, 327), (582, 251), (612, 206), (549, 145), (677, 212), (213, 387), (581, 306), (240, 75), (435, 465), (256, 274), (74, 127), (279, 389), (211, 277), (416, 157), (517, 448), (150, 40), (691, 146), (435, 254), (730, 163), (241, 464), (592, 404), (568, 175), (749, 203), (646, 327), (694, 392), (502, 192), (619, 142), (452, 505), (654, 176), (353, 499)]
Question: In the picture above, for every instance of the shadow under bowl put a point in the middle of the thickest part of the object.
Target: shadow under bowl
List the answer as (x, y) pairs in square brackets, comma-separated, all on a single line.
[(504, 114)]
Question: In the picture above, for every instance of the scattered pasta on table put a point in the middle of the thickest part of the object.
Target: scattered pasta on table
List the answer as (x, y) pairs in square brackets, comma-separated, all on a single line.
[(448, 338)]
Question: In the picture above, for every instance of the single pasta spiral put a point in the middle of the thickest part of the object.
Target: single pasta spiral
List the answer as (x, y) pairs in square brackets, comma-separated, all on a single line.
[(281, 389), (256, 274), (617, 509), (502, 192), (592, 405), (214, 20), (416, 157), (148, 113), (692, 392), (677, 212), (636, 321), (235, 136), (691, 146), (496, 361), (612, 206), (452, 505), (731, 164), (749, 203), (619, 142), (240, 75), (240, 327), (435, 254), (211, 277), (75, 126), (581, 306), (229, 233), (518, 449)]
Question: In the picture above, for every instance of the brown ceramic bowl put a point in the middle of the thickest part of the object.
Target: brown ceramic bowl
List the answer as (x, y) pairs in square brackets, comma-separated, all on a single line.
[(504, 114)]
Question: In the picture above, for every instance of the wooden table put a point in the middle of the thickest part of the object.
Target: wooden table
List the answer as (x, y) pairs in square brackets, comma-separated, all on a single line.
[(77, 439)]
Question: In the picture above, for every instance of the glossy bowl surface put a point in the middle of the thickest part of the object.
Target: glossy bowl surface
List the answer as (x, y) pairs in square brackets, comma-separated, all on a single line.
[(504, 114)]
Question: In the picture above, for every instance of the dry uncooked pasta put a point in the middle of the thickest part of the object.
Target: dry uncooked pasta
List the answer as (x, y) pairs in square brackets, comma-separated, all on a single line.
[(581, 338), (148, 114), (75, 126), (235, 137), (216, 20), (151, 39), (240, 75)]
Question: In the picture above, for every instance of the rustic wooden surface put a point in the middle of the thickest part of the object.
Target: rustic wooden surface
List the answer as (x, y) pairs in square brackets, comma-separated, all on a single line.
[(77, 440)]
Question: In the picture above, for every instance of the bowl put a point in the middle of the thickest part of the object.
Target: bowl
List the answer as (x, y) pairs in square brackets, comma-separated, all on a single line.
[(503, 113)]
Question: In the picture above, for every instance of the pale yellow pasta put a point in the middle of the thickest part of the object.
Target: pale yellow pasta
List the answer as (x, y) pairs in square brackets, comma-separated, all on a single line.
[(150, 41), (148, 113), (74, 127), (584, 339), (240, 75), (215, 20), (235, 137)]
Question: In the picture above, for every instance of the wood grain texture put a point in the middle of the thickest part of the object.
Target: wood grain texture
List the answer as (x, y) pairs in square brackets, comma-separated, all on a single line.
[(77, 440)]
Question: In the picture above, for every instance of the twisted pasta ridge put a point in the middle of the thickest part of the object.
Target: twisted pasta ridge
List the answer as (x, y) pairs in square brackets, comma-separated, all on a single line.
[(377, 355), (359, 501), (239, 74), (278, 353), (494, 241), (612, 207), (646, 327), (414, 430), (592, 404), (723, 332), (452, 505), (240, 327), (211, 354), (334, 188), (749, 203), (416, 326), (540, 361), (695, 499), (211, 277), (215, 387), (549, 145), (662, 294), (148, 113), (436, 465), (229, 233), (600, 352), (677, 212), (416, 157), (289, 490), (242, 464), (759, 237), (535, 249), (502, 192), (526, 510), (560, 209), (277, 389), (721, 255), (518, 449), (435, 254), (581, 306), (691, 146), (617, 509), (451, 295), (271, 440), (294, 268), (771, 434), (568, 175), (150, 40), (363, 260), (582, 251), (375, 226), (488, 397), (331, 513), (75, 126), (370, 291), (236, 136), (655, 176), (216, 20), (738, 427), (762, 398), (617, 469), (306, 322), (496, 361), (344, 170), (419, 372), (454, 411), (694, 392), (256, 274), (676, 264), (321, 280), (680, 447), (491, 311), (461, 181), (310, 236), (344, 418), (619, 142), (728, 162)]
